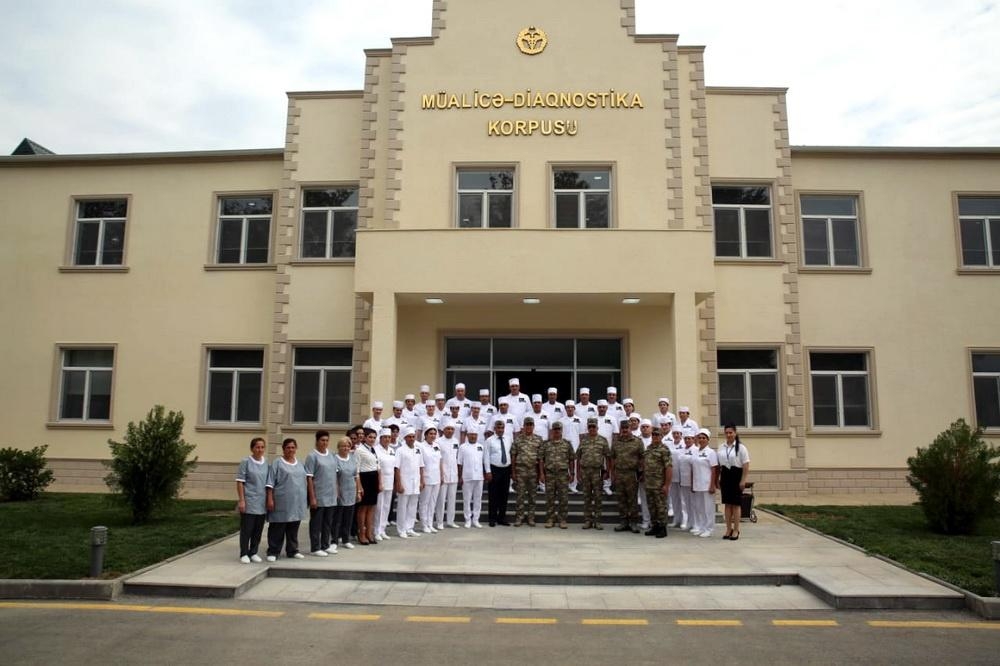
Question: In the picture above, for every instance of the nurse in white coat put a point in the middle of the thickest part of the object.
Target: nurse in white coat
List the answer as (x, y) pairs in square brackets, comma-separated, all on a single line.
[(444, 513), (677, 449), (473, 469), (683, 463), (431, 452), (386, 455), (704, 481), (409, 483)]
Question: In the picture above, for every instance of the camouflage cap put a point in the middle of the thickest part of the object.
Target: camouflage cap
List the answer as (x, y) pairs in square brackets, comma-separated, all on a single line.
[(557, 426), (591, 421), (528, 421)]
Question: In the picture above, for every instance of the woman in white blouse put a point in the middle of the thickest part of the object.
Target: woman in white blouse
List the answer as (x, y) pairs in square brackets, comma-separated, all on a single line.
[(368, 476), (734, 467)]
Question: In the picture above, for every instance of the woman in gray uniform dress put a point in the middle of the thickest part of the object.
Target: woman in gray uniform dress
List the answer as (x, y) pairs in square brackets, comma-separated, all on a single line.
[(348, 492), (251, 480), (286, 502)]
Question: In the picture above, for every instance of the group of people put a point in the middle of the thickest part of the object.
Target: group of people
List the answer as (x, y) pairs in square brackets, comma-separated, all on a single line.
[(661, 468)]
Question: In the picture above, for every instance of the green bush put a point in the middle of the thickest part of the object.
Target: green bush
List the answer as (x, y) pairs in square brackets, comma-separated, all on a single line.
[(22, 474), (957, 478), (147, 469)]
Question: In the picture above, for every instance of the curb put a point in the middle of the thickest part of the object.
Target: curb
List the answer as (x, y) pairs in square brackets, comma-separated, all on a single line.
[(987, 608)]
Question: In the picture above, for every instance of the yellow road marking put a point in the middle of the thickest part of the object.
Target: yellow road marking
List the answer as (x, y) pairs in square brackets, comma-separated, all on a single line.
[(805, 623), (615, 621), (360, 617), (189, 610), (710, 623), (447, 619), (927, 624), (72, 606), (527, 620), (197, 610)]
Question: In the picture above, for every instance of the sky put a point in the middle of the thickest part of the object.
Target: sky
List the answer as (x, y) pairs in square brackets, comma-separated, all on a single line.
[(162, 75)]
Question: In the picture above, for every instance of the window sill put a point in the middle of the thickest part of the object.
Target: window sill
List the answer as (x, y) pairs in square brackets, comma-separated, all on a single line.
[(229, 427), (80, 425), (312, 428), (834, 270), (985, 270), (93, 269), (763, 432), (322, 262), (843, 432), (742, 261), (240, 267)]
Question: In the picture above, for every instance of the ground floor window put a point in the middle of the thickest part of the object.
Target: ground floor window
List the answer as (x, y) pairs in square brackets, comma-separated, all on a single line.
[(321, 385), (235, 381), (85, 390), (748, 387), (986, 387), (840, 389), (539, 363)]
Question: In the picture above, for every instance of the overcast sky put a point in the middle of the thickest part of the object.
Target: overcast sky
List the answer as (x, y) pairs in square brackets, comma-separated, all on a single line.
[(158, 75)]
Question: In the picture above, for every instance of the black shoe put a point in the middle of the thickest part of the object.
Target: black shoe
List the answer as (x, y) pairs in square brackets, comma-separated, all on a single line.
[(493, 523), (652, 531), (504, 523), (624, 527), (662, 532), (635, 529)]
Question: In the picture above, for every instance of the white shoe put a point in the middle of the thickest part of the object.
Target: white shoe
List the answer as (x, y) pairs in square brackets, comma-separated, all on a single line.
[(477, 525), (349, 546), (439, 526), (412, 533), (427, 530), (271, 558), (694, 530), (320, 553), (332, 549), (453, 525), (245, 559), (378, 537), (468, 525), (298, 556), (644, 526), (705, 534), (434, 530), (683, 526), (402, 535), (386, 537), (255, 558)]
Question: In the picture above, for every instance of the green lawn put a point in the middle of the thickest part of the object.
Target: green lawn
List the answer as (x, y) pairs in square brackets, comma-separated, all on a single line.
[(50, 537), (900, 533)]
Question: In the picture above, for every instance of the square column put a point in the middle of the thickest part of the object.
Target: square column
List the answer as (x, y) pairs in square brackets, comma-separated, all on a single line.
[(382, 373), (687, 354)]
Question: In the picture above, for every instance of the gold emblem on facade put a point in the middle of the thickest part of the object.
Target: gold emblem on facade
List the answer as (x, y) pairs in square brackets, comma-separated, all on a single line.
[(532, 40)]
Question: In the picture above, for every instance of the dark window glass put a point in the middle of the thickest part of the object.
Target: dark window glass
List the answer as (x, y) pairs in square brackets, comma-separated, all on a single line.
[(473, 380), (598, 353), (597, 381), (828, 205), (815, 241), (230, 241), (333, 198), (314, 234), (330, 357), (248, 397), (758, 230), (337, 401), (345, 226), (727, 232), (973, 242), (834, 361), (103, 208), (89, 358), (597, 211), (258, 240), (220, 396), (755, 195), (470, 211), (543, 352), (732, 399), (74, 385), (486, 180), (995, 240), (824, 397), (87, 238), (855, 390), (114, 243), (468, 352), (100, 395), (845, 243), (987, 393), (567, 211), (501, 206), (986, 362), (236, 358), (980, 206), (764, 400), (246, 205), (747, 359), (582, 180), (306, 407)]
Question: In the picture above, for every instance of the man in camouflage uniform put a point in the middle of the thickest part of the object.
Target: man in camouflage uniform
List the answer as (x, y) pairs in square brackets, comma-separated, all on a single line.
[(524, 455), (657, 470), (557, 457), (593, 452), (626, 459)]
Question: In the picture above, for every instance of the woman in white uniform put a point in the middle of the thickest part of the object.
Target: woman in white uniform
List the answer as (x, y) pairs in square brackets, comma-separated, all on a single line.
[(449, 442), (286, 502), (473, 469), (677, 448), (251, 482), (409, 483), (704, 480), (683, 463), (386, 481), (431, 452), (734, 467)]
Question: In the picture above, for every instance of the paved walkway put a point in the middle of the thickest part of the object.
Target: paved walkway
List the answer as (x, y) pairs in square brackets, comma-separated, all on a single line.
[(774, 565)]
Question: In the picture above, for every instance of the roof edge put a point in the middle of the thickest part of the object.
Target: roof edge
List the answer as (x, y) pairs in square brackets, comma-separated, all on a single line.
[(122, 158), (910, 151), (746, 90)]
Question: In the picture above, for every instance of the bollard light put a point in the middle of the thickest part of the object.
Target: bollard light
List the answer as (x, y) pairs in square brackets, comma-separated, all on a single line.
[(996, 566), (98, 540)]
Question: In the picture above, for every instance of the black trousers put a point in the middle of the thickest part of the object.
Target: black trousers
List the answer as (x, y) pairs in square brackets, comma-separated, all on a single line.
[(320, 527), (499, 492), (251, 528), (343, 517), (283, 533)]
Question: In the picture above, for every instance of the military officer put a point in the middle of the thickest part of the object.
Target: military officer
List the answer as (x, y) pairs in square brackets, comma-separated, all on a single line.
[(657, 470), (626, 457), (593, 455), (557, 471), (524, 456)]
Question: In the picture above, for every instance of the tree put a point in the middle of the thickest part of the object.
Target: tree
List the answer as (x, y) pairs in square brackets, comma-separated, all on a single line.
[(147, 469), (23, 474), (957, 478)]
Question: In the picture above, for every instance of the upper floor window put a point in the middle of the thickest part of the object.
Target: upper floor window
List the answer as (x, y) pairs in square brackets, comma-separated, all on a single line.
[(582, 198), (100, 232), (742, 221), (979, 221), (244, 235), (235, 381), (986, 388), (748, 387), (329, 222), (830, 230), (485, 198), (85, 384), (840, 389)]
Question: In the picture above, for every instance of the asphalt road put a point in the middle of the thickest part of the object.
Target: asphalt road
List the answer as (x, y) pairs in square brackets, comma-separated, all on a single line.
[(170, 631)]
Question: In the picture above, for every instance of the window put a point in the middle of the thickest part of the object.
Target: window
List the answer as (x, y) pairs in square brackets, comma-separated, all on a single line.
[(321, 385), (986, 388), (979, 222), (85, 384), (748, 387), (582, 198), (840, 393), (329, 223), (742, 221), (244, 235), (485, 198), (830, 230), (235, 379), (99, 238)]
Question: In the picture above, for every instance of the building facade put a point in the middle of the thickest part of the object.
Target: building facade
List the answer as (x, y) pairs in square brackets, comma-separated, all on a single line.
[(540, 193)]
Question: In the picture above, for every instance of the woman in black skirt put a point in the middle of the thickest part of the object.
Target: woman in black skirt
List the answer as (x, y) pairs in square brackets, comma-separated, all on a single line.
[(734, 467), (368, 473)]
